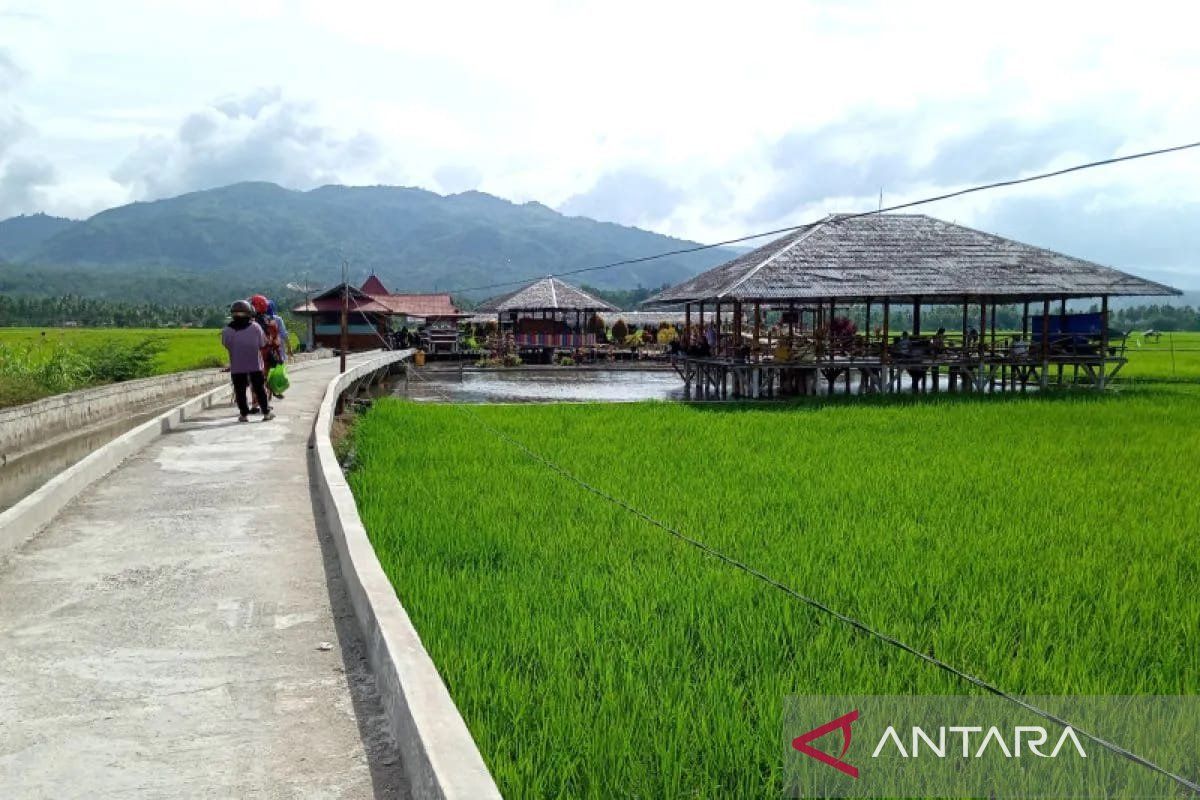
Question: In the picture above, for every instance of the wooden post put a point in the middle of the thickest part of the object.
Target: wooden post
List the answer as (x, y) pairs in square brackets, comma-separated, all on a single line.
[(867, 325), (757, 326), (884, 356), (344, 344), (982, 342), (829, 331), (916, 331), (1103, 341), (687, 324), (737, 326), (1062, 329), (1045, 344), (717, 327), (1025, 322), (993, 327)]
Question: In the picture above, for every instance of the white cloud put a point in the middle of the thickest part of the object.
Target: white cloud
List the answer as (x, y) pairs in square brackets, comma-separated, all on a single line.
[(258, 136), (701, 119)]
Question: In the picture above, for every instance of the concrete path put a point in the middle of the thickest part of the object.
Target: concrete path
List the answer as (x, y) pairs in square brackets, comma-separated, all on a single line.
[(181, 631)]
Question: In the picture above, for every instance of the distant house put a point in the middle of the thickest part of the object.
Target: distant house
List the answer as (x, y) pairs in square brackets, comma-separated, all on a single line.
[(374, 312)]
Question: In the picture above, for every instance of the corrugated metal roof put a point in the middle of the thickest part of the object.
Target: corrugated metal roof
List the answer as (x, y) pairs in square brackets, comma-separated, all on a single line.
[(902, 257), (413, 305), (374, 286), (545, 294)]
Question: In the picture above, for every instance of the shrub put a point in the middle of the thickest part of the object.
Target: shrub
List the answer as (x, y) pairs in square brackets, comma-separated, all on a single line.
[(114, 361), (596, 325), (619, 331)]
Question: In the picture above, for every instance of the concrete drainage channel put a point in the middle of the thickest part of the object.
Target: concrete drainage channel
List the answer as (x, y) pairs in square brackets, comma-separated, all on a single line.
[(439, 755), (26, 517)]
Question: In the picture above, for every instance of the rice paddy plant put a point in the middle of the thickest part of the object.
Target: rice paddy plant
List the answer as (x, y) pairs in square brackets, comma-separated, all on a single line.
[(1045, 544)]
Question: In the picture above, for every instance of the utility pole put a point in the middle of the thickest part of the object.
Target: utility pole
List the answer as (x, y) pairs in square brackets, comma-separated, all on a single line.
[(307, 288), (345, 343)]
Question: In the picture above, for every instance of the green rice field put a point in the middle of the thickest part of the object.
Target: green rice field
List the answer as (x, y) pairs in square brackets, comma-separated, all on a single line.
[(1174, 357), (186, 348), (1047, 544), (182, 349)]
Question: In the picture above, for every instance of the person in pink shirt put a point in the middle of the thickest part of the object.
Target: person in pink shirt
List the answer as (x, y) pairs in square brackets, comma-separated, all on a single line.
[(244, 340)]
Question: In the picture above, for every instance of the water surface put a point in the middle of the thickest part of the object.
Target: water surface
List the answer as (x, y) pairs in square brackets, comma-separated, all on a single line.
[(564, 385)]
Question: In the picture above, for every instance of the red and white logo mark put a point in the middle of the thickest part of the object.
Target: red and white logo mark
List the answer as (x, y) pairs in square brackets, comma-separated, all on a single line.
[(842, 723)]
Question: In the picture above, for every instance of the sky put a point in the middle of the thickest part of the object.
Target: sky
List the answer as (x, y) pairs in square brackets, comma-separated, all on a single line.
[(700, 120)]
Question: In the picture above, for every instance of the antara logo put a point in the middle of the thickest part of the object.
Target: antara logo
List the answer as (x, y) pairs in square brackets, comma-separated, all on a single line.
[(1030, 737), (1033, 737), (843, 724)]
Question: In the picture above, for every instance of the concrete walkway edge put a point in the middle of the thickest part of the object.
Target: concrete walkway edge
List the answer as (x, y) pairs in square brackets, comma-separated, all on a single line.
[(440, 758)]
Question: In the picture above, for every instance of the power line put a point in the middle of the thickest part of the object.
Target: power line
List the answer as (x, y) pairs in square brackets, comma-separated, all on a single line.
[(858, 625), (881, 210)]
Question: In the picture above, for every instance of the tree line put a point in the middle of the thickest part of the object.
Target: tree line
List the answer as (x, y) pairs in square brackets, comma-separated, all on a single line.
[(96, 313)]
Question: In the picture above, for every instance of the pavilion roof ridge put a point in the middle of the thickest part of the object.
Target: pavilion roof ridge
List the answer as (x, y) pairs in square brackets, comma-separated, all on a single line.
[(795, 241)]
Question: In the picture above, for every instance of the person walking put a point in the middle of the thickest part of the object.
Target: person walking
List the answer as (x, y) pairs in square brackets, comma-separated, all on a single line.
[(283, 349), (245, 340), (285, 344), (270, 348)]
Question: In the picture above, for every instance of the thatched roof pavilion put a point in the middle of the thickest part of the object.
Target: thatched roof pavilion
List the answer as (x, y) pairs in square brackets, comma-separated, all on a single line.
[(904, 258), (547, 314), (546, 294), (849, 261)]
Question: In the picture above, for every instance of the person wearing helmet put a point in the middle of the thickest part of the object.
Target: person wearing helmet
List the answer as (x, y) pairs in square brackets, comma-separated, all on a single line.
[(244, 340), (266, 320), (283, 347)]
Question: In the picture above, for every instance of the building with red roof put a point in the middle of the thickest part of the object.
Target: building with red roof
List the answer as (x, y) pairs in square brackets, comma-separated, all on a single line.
[(374, 313)]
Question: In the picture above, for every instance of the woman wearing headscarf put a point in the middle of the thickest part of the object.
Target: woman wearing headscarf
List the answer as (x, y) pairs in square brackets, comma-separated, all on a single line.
[(244, 340)]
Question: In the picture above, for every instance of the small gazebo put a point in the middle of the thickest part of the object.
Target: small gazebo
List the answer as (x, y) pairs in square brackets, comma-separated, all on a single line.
[(548, 313)]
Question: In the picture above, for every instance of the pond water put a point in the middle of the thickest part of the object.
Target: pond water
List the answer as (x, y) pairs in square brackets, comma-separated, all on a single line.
[(562, 385)]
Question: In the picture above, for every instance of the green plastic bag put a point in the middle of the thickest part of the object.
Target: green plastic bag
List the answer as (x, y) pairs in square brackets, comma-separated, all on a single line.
[(277, 379)]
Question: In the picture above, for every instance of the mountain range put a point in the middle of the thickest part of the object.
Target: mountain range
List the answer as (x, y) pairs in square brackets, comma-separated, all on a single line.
[(258, 234)]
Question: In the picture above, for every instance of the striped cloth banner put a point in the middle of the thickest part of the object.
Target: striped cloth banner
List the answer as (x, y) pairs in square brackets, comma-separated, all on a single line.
[(556, 339)]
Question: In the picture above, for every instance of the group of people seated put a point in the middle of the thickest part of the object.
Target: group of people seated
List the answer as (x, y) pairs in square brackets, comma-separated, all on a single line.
[(915, 347), (404, 339), (530, 326), (702, 343)]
